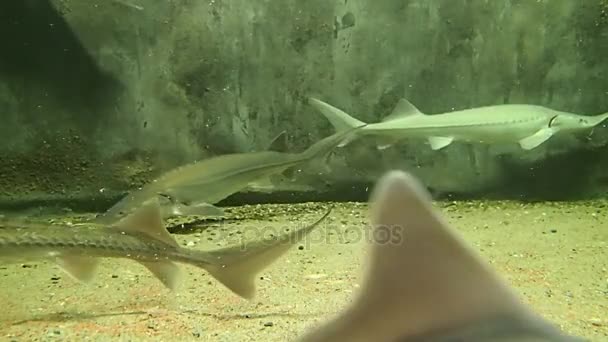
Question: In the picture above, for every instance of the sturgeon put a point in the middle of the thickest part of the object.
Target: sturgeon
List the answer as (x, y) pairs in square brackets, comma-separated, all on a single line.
[(528, 125), (142, 237), (196, 187)]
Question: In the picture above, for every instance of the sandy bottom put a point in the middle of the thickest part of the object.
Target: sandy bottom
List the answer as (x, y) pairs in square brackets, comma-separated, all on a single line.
[(554, 254)]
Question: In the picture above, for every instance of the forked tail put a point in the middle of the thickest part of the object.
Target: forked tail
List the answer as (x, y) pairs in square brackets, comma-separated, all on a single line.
[(236, 267)]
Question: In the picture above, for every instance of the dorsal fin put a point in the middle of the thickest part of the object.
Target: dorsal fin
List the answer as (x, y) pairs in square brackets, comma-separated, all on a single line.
[(146, 220), (438, 280), (403, 109), (279, 143), (421, 277)]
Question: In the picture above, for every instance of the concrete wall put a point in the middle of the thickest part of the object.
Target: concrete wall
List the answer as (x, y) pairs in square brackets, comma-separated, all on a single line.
[(170, 82)]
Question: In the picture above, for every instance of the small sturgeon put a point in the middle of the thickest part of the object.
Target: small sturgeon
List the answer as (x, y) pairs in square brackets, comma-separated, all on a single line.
[(196, 187), (527, 125), (142, 237)]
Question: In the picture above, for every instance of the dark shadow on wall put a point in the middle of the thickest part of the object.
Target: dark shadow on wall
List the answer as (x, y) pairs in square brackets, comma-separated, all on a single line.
[(39, 51)]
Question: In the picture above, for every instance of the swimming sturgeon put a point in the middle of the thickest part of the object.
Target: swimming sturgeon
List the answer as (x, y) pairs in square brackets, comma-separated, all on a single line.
[(196, 187), (142, 237), (527, 125)]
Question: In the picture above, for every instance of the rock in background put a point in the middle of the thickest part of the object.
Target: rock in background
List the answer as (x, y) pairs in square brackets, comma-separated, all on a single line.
[(118, 91)]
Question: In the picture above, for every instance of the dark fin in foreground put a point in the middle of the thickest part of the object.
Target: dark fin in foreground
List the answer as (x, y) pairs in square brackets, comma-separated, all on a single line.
[(425, 283), (147, 220), (239, 265)]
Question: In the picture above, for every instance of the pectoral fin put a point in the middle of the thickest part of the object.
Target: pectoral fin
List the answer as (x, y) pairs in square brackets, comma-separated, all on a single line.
[(382, 143), (346, 141), (536, 139), (438, 143)]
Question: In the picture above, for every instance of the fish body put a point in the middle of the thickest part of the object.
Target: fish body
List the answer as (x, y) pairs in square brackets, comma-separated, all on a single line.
[(204, 183), (141, 237), (423, 282), (527, 125)]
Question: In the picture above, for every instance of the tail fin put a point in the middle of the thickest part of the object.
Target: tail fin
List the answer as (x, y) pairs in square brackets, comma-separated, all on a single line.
[(238, 266), (338, 118)]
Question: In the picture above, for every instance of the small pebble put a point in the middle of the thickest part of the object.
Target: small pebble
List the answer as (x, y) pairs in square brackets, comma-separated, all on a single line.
[(315, 276), (596, 322), (268, 324), (53, 333)]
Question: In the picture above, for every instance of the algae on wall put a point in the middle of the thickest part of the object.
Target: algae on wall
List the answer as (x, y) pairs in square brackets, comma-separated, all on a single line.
[(190, 79)]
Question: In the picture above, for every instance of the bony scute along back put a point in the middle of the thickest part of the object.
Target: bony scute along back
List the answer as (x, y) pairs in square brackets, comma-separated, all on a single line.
[(142, 237)]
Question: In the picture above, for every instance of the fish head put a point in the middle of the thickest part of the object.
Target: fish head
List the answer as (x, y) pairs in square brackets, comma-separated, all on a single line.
[(564, 121)]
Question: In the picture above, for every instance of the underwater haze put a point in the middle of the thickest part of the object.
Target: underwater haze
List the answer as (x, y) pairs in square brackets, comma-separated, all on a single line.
[(233, 149)]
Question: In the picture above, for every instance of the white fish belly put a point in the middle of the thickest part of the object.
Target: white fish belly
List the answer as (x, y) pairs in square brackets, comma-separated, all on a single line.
[(494, 133)]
